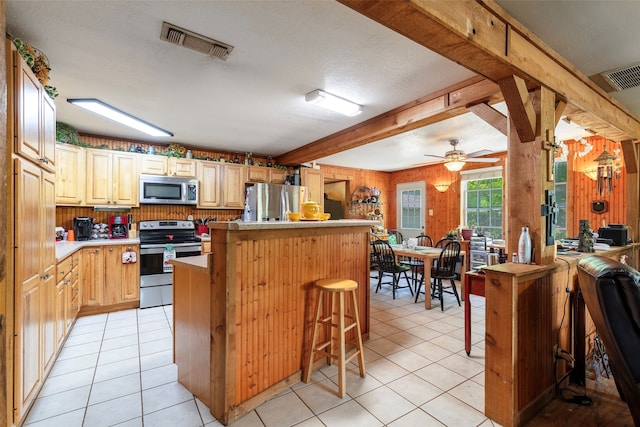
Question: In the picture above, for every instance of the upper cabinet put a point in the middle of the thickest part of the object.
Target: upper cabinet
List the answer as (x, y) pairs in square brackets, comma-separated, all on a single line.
[(35, 115), (112, 178), (70, 175), (182, 167), (209, 184), (163, 165), (265, 174), (233, 179), (313, 179), (153, 164)]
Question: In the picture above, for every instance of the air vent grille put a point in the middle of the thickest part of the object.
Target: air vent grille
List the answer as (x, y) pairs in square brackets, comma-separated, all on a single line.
[(181, 37), (623, 78)]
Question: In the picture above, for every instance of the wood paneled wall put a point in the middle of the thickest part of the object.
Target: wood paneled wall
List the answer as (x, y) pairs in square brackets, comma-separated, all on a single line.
[(6, 360), (445, 205), (364, 177), (582, 190), (123, 145), (65, 215)]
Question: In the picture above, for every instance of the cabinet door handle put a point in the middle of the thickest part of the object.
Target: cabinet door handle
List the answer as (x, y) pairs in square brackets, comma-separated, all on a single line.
[(62, 273), (110, 249), (97, 250)]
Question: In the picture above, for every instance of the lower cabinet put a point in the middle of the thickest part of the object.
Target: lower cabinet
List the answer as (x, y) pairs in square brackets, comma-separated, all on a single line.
[(66, 296), (106, 281)]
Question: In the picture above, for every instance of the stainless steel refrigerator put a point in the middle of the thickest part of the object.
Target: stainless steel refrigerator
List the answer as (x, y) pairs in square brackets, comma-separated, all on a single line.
[(271, 202)]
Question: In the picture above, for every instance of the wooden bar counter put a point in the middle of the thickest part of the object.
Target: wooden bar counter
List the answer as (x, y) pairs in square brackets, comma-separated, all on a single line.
[(528, 311), (243, 313)]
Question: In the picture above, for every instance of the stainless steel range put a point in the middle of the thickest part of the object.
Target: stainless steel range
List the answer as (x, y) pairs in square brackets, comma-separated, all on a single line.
[(158, 239)]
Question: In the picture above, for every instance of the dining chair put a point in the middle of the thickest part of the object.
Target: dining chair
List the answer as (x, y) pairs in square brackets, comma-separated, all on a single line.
[(397, 234), (387, 264), (445, 269)]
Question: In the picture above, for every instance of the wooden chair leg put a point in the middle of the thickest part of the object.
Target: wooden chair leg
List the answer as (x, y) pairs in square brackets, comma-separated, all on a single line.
[(455, 291), (309, 366), (342, 371), (354, 303)]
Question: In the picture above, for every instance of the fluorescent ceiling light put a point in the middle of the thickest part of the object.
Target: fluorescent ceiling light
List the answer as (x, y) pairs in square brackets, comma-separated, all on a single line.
[(333, 103), (106, 110)]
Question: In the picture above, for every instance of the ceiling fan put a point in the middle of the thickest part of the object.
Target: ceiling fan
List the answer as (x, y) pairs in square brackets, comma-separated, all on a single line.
[(455, 159)]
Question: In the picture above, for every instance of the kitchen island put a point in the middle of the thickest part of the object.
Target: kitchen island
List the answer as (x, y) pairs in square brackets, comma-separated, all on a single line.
[(243, 313)]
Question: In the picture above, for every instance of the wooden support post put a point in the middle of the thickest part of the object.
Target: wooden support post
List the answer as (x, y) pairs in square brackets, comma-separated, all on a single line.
[(630, 152)]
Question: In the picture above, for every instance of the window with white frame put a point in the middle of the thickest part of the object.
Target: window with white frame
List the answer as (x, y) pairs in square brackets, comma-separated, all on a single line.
[(482, 201)]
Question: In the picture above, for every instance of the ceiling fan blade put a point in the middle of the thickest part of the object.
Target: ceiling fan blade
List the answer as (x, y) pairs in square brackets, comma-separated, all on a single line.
[(479, 153), (482, 160), (437, 157)]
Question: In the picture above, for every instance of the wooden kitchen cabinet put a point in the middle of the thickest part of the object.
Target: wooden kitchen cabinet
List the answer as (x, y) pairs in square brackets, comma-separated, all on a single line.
[(208, 184), (121, 281), (257, 174), (277, 176), (34, 277), (106, 281), (112, 178), (182, 167), (70, 175), (31, 209), (92, 276), (265, 174), (233, 178), (35, 115), (74, 290), (151, 164), (68, 304), (313, 179)]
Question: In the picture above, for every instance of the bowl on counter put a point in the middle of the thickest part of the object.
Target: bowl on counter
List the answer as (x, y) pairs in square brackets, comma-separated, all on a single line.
[(293, 216), (324, 216)]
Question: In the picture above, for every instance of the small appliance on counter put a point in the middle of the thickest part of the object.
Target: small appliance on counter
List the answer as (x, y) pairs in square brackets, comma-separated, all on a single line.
[(83, 227), (618, 233), (118, 227)]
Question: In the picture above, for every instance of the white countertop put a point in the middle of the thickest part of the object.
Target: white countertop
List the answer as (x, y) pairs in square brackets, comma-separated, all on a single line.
[(271, 225), (65, 248)]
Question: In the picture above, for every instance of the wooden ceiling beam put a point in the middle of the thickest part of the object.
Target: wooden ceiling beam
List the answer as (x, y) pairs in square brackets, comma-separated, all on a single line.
[(490, 115), (424, 111), (483, 37), (521, 111)]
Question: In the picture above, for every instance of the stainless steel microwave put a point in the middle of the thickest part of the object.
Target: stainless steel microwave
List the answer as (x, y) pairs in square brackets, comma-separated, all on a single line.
[(168, 190)]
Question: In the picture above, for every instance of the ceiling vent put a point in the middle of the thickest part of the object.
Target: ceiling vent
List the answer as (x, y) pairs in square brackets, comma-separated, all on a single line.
[(623, 78), (181, 37)]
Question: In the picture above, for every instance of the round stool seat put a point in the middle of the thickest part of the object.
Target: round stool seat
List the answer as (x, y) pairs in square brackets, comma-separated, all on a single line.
[(336, 285)]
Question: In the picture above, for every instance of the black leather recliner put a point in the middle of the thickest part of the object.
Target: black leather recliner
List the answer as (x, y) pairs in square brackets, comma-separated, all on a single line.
[(611, 292)]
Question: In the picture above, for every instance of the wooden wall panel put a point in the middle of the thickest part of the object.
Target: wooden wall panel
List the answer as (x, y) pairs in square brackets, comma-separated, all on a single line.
[(446, 205), (582, 190), (274, 302), (65, 215)]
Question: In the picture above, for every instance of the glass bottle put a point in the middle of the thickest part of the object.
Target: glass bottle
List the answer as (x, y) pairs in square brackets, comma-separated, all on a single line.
[(524, 246)]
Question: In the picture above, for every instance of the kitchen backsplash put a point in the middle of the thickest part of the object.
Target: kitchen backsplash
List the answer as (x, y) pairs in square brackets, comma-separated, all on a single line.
[(65, 215)]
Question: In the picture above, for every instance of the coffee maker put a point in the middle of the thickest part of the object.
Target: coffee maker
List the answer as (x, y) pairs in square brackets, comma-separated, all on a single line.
[(83, 226), (118, 227)]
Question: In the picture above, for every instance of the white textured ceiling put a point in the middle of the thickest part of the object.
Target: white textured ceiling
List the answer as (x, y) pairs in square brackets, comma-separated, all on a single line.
[(254, 101)]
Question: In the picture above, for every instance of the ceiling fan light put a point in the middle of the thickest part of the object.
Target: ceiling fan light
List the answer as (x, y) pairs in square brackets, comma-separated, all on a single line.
[(454, 166), (333, 103)]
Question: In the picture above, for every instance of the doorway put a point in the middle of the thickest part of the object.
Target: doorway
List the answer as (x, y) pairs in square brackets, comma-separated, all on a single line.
[(335, 195), (410, 203)]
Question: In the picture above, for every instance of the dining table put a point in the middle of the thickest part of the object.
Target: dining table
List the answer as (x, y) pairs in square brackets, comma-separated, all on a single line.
[(427, 254)]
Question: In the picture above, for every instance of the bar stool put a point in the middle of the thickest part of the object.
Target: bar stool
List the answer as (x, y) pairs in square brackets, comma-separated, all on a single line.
[(335, 321)]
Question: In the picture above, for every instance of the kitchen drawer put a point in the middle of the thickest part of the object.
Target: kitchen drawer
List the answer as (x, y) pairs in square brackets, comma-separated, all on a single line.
[(64, 267)]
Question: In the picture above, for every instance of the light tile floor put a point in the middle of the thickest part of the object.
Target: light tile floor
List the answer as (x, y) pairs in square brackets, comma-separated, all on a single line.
[(116, 369)]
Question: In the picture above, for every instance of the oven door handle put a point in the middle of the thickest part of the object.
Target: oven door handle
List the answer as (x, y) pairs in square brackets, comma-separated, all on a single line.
[(179, 247)]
